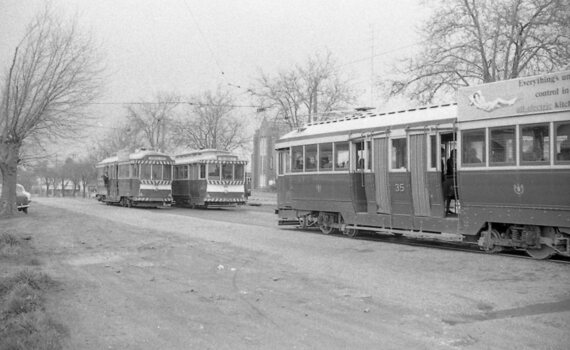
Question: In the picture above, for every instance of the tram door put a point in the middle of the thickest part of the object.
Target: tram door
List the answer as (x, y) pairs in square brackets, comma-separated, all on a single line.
[(362, 178), (418, 168), (381, 183)]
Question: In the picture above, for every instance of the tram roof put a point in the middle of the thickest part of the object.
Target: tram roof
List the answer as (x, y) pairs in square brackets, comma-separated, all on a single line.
[(207, 156), (139, 155), (347, 127)]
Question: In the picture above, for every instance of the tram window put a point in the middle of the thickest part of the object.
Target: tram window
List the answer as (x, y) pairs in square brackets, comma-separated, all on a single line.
[(227, 171), (360, 155), (213, 171), (123, 171), (325, 156), (167, 172), (193, 171), (181, 172), (239, 172), (157, 172), (535, 144), (341, 156), (562, 143), (433, 152), (473, 148), (502, 146), (284, 162), (202, 171), (311, 158), (399, 154), (298, 159), (135, 171), (145, 171)]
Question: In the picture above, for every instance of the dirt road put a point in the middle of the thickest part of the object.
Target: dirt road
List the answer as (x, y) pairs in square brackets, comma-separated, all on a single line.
[(153, 279)]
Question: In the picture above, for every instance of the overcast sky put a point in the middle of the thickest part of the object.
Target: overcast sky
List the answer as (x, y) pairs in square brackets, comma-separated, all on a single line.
[(184, 45)]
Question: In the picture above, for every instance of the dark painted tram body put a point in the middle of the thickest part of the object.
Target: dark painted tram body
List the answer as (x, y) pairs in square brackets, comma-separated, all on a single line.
[(507, 184)]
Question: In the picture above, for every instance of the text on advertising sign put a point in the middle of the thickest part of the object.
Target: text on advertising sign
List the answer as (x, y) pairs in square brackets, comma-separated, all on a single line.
[(530, 95)]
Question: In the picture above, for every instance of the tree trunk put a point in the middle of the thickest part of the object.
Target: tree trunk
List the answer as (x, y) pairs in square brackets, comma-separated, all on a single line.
[(9, 153)]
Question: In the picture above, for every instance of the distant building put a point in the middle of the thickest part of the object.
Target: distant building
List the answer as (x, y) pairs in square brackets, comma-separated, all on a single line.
[(263, 167)]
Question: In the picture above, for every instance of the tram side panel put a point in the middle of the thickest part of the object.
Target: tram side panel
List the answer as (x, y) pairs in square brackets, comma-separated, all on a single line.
[(314, 193), (525, 197), (189, 192)]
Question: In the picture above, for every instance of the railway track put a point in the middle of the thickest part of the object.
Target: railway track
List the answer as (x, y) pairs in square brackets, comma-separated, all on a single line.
[(468, 248)]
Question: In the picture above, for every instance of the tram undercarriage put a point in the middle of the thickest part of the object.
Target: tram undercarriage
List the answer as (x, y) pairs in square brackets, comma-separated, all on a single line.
[(539, 242)]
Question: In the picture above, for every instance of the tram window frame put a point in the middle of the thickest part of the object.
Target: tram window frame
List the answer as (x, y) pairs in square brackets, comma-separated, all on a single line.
[(533, 153), (326, 156), (432, 152), (341, 156), (157, 174), (202, 171), (399, 154), (193, 171), (210, 172), (284, 158), (167, 170), (134, 170), (177, 172), (298, 159), (363, 155), (311, 156), (224, 166), (239, 172), (495, 138), (474, 136), (123, 171), (562, 148), (146, 171)]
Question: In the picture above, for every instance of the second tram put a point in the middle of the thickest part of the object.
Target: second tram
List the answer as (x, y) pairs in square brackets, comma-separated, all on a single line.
[(209, 178)]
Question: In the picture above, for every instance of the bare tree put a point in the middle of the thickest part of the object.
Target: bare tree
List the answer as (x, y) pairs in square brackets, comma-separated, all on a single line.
[(54, 73), (480, 41), (46, 174), (151, 120), (307, 92), (211, 122), (121, 137)]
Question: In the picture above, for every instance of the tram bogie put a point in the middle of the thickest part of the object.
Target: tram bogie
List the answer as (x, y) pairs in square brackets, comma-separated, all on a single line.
[(489, 172), (209, 178)]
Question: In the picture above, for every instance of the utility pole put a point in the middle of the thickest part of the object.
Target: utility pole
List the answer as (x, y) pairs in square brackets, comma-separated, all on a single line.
[(372, 65)]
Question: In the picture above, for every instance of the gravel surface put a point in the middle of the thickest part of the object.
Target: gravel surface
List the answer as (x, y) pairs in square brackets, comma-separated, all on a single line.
[(231, 279)]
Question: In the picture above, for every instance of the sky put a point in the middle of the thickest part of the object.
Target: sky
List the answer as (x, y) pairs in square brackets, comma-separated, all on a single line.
[(191, 46)]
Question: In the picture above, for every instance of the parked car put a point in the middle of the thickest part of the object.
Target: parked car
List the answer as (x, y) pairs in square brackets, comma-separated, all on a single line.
[(23, 198)]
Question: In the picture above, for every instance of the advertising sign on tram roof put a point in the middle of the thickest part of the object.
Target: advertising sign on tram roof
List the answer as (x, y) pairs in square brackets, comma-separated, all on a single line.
[(529, 95)]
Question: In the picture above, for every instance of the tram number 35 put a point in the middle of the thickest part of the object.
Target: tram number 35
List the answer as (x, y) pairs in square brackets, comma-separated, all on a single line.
[(400, 187)]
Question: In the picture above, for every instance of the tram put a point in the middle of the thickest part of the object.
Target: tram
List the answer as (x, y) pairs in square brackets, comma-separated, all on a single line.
[(209, 178), (141, 179), (492, 170)]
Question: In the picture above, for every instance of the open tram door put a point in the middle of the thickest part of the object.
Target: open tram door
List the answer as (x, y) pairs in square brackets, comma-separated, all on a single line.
[(448, 147), (362, 178), (433, 173)]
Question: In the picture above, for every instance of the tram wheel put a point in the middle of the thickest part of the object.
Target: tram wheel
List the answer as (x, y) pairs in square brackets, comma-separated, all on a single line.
[(351, 232), (324, 221), (492, 249), (544, 252)]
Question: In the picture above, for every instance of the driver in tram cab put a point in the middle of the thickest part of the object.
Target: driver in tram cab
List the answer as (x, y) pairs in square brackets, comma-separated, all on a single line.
[(449, 182), (106, 181)]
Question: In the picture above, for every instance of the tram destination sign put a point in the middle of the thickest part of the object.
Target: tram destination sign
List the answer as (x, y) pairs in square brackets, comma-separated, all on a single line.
[(530, 95)]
